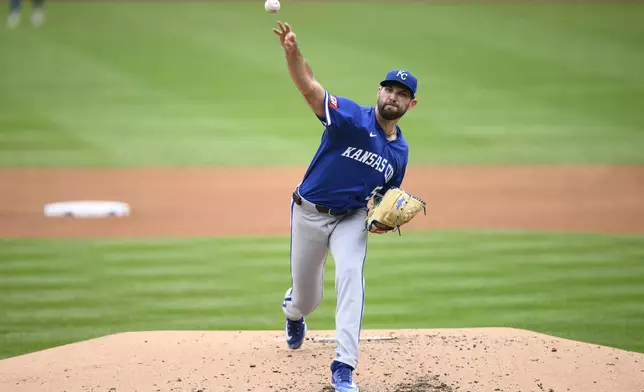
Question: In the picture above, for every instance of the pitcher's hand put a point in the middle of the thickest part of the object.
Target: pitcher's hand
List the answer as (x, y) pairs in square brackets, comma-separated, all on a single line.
[(287, 37)]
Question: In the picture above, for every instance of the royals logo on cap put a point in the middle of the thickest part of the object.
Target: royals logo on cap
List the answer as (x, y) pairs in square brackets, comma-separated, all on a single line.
[(402, 74), (403, 77)]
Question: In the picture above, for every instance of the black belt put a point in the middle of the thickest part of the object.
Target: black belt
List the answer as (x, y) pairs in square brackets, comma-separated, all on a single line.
[(298, 200)]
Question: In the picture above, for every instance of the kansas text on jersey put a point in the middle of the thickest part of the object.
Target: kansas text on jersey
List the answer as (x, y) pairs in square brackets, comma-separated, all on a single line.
[(370, 159), (354, 160)]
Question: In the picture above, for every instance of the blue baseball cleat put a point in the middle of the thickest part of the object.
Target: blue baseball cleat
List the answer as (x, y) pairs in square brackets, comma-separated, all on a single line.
[(295, 329), (295, 332), (342, 377)]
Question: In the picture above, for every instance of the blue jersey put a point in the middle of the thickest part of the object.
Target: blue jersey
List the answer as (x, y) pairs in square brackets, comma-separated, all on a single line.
[(354, 161)]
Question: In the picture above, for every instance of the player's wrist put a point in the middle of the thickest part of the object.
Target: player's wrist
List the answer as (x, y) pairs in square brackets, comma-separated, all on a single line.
[(293, 53)]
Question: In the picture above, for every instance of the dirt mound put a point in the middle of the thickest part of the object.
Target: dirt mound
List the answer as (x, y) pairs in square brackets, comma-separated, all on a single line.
[(245, 201), (442, 360)]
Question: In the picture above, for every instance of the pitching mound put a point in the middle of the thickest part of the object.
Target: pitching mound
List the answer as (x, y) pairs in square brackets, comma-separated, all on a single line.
[(486, 359)]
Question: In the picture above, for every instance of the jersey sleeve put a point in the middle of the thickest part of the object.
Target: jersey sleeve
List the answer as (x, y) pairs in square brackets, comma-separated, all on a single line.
[(339, 112)]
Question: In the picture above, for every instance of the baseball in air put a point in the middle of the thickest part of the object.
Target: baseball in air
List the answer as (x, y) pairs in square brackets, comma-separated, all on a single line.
[(272, 6)]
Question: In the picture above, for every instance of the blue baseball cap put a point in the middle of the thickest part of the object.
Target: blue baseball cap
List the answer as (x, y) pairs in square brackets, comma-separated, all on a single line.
[(403, 77)]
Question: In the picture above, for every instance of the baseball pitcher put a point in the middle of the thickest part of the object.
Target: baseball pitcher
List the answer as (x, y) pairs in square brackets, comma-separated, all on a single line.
[(350, 189)]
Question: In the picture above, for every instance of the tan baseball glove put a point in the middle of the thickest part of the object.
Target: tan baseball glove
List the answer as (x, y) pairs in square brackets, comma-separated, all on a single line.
[(395, 209)]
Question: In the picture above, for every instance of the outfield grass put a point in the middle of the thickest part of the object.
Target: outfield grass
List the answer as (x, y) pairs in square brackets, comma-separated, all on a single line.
[(584, 287), (147, 84)]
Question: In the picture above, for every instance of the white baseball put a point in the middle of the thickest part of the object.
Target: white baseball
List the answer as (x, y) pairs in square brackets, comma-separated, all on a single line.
[(272, 6)]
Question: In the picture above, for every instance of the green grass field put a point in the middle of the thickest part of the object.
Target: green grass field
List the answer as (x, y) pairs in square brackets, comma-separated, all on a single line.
[(585, 287), (163, 84), (149, 84)]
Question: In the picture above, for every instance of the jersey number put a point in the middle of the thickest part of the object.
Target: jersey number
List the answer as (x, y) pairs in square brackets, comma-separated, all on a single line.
[(374, 192)]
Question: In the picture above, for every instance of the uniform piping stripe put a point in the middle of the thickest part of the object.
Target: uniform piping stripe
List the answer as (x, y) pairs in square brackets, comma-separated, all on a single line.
[(326, 108), (290, 247), (362, 283)]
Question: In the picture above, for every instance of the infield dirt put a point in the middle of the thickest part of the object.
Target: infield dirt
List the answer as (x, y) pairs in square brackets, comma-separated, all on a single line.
[(256, 200)]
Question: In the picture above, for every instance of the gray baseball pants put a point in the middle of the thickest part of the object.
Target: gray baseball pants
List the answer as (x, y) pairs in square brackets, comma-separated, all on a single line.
[(313, 235)]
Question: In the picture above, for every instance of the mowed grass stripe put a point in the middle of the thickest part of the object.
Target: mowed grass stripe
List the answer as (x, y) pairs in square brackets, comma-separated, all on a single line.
[(572, 94), (86, 311), (484, 269), (589, 286), (511, 284), (492, 300)]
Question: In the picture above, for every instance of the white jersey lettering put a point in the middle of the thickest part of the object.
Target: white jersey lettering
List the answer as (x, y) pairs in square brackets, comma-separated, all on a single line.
[(389, 173), (382, 165), (377, 162), (348, 152), (370, 159), (365, 156), (356, 155)]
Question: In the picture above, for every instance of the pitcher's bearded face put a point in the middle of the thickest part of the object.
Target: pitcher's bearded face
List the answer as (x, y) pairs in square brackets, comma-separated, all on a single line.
[(391, 110), (393, 102)]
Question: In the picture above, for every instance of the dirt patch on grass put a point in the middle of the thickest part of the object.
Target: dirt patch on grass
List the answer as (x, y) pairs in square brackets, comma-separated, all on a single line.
[(244, 201), (456, 360)]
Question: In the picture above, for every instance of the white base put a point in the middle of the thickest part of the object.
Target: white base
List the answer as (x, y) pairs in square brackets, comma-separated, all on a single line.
[(87, 209)]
